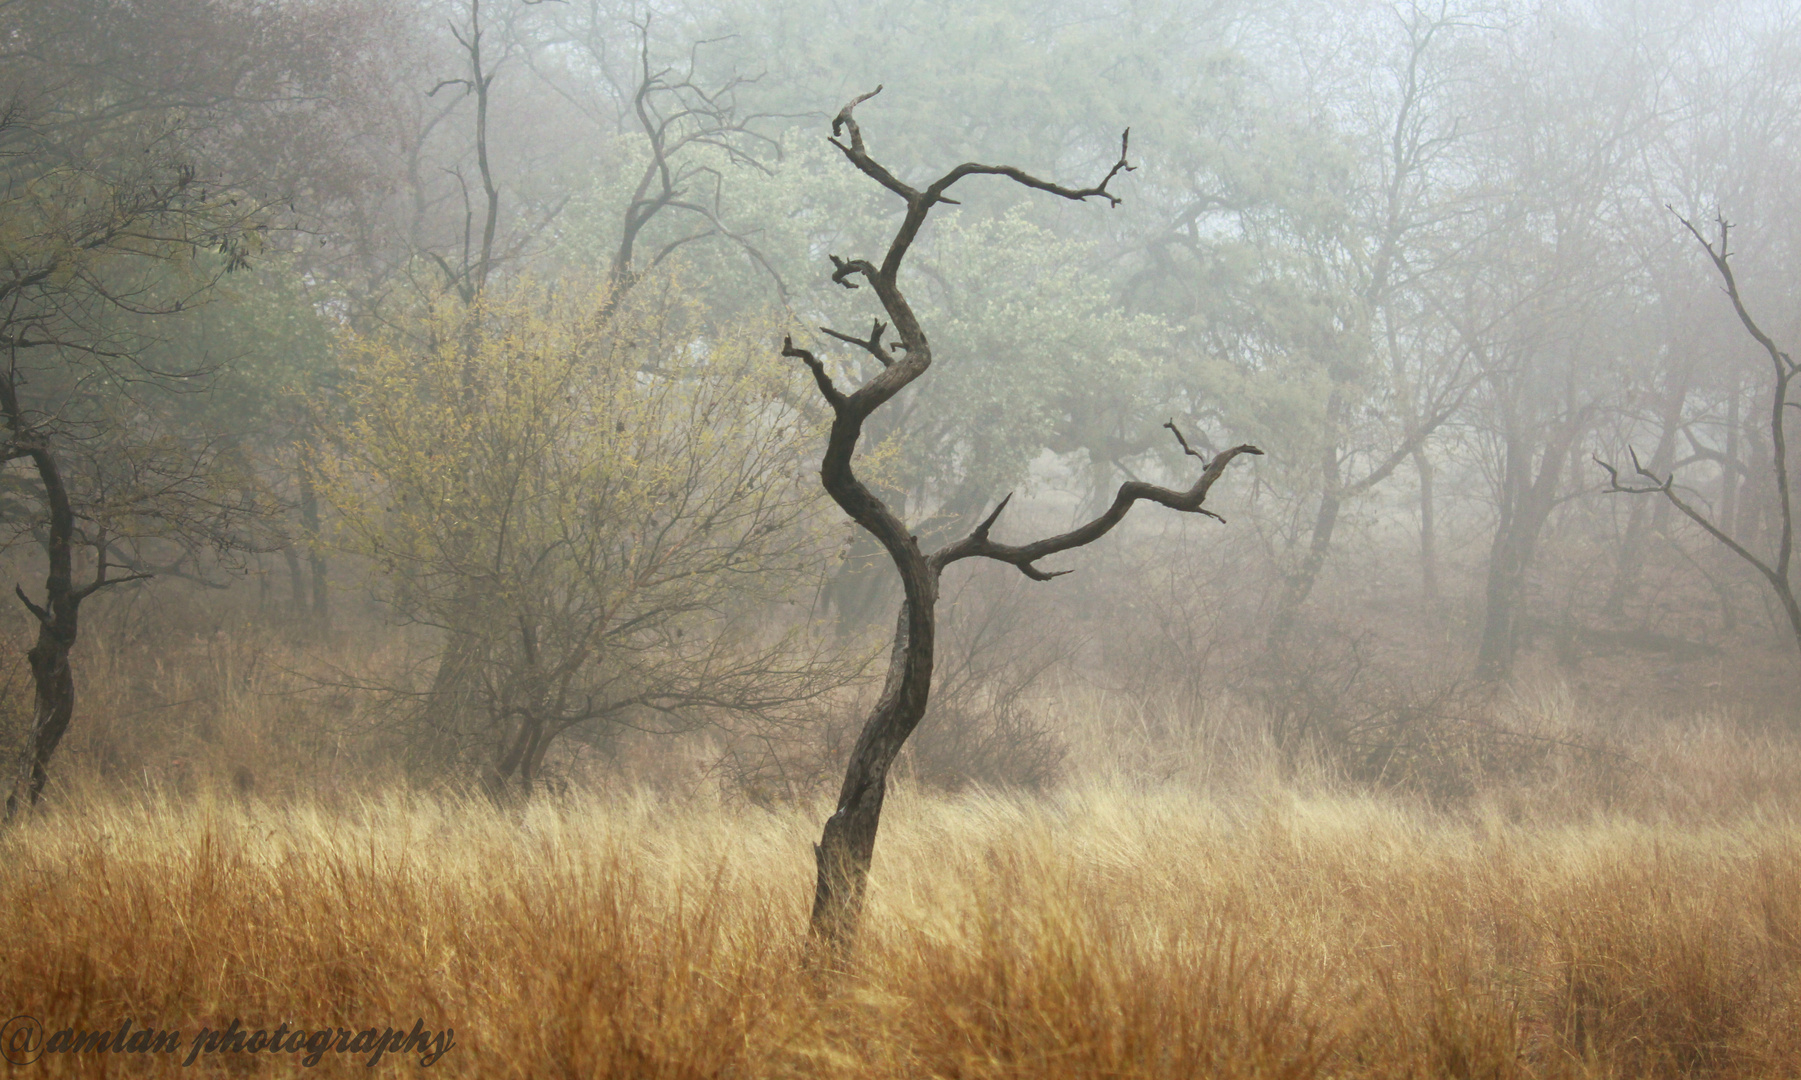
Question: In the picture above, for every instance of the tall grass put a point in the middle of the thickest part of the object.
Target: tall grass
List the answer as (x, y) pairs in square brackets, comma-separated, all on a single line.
[(1512, 886), (1106, 930)]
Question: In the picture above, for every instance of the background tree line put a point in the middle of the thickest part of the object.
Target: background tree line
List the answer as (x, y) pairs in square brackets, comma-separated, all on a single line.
[(446, 334)]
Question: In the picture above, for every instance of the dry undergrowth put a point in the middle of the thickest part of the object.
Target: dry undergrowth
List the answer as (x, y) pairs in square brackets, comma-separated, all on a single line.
[(1104, 931)]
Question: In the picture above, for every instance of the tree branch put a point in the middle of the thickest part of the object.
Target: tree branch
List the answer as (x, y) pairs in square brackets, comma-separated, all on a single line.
[(858, 155), (43, 616), (872, 345), (830, 392), (935, 193), (978, 545), (96, 586), (1666, 486)]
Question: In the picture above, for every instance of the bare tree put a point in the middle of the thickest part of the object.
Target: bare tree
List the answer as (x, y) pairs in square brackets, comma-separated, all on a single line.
[(677, 115), (1427, 381), (1783, 371), (848, 842)]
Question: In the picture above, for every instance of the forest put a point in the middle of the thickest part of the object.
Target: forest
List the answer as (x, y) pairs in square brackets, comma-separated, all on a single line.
[(1025, 538)]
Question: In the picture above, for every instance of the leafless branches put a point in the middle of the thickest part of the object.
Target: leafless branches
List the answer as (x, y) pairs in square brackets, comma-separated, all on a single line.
[(978, 545), (844, 851), (1783, 370), (677, 114)]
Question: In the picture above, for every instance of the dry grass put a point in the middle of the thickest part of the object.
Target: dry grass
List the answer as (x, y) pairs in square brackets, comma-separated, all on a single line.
[(1613, 895), (1105, 931)]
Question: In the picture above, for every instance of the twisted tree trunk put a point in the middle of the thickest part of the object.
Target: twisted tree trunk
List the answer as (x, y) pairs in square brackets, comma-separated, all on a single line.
[(847, 842), (52, 679)]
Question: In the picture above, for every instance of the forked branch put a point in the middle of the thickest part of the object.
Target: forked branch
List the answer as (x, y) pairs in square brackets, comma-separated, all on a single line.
[(1666, 486), (978, 544), (826, 389), (1019, 176), (872, 344)]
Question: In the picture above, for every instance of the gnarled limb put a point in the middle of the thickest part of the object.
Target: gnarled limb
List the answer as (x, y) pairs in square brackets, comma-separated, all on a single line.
[(978, 545), (847, 842)]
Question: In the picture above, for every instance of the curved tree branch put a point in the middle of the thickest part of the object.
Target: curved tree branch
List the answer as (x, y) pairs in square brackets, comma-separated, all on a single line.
[(978, 545)]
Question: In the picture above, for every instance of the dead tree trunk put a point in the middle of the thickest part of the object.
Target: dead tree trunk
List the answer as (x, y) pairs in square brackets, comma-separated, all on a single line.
[(1783, 370), (847, 843)]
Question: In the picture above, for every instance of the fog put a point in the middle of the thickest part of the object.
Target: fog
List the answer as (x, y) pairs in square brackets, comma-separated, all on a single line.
[(439, 392)]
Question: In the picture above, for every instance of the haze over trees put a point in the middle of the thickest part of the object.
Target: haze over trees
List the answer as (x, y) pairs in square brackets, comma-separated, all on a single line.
[(448, 337), (503, 501)]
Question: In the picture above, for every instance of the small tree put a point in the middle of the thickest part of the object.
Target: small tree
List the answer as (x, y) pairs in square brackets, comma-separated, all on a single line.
[(845, 849), (593, 505), (108, 238), (1775, 570)]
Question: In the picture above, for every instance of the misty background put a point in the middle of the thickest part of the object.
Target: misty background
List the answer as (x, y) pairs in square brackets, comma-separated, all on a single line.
[(409, 376)]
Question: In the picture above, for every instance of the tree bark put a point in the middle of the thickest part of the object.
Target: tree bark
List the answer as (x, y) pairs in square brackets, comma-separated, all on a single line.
[(53, 682)]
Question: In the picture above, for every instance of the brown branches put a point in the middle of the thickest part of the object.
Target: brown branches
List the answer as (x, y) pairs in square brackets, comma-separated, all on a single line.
[(978, 545), (826, 389), (884, 278), (1783, 367), (842, 269), (1018, 176), (1186, 449), (872, 344), (858, 155)]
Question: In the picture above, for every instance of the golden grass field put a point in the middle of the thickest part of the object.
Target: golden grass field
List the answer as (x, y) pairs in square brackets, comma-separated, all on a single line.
[(1110, 929)]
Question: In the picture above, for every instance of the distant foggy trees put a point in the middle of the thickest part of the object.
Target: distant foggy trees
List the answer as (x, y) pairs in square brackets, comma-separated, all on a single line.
[(278, 279), (126, 199)]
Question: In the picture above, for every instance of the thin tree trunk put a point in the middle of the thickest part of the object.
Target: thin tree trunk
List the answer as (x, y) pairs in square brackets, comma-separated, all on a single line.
[(296, 582), (1729, 492), (315, 549), (1297, 585), (1428, 529), (1527, 505), (53, 682), (847, 844)]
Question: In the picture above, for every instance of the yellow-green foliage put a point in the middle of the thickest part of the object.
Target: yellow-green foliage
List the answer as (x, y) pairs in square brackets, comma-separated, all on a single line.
[(596, 501), (1105, 933), (481, 435)]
